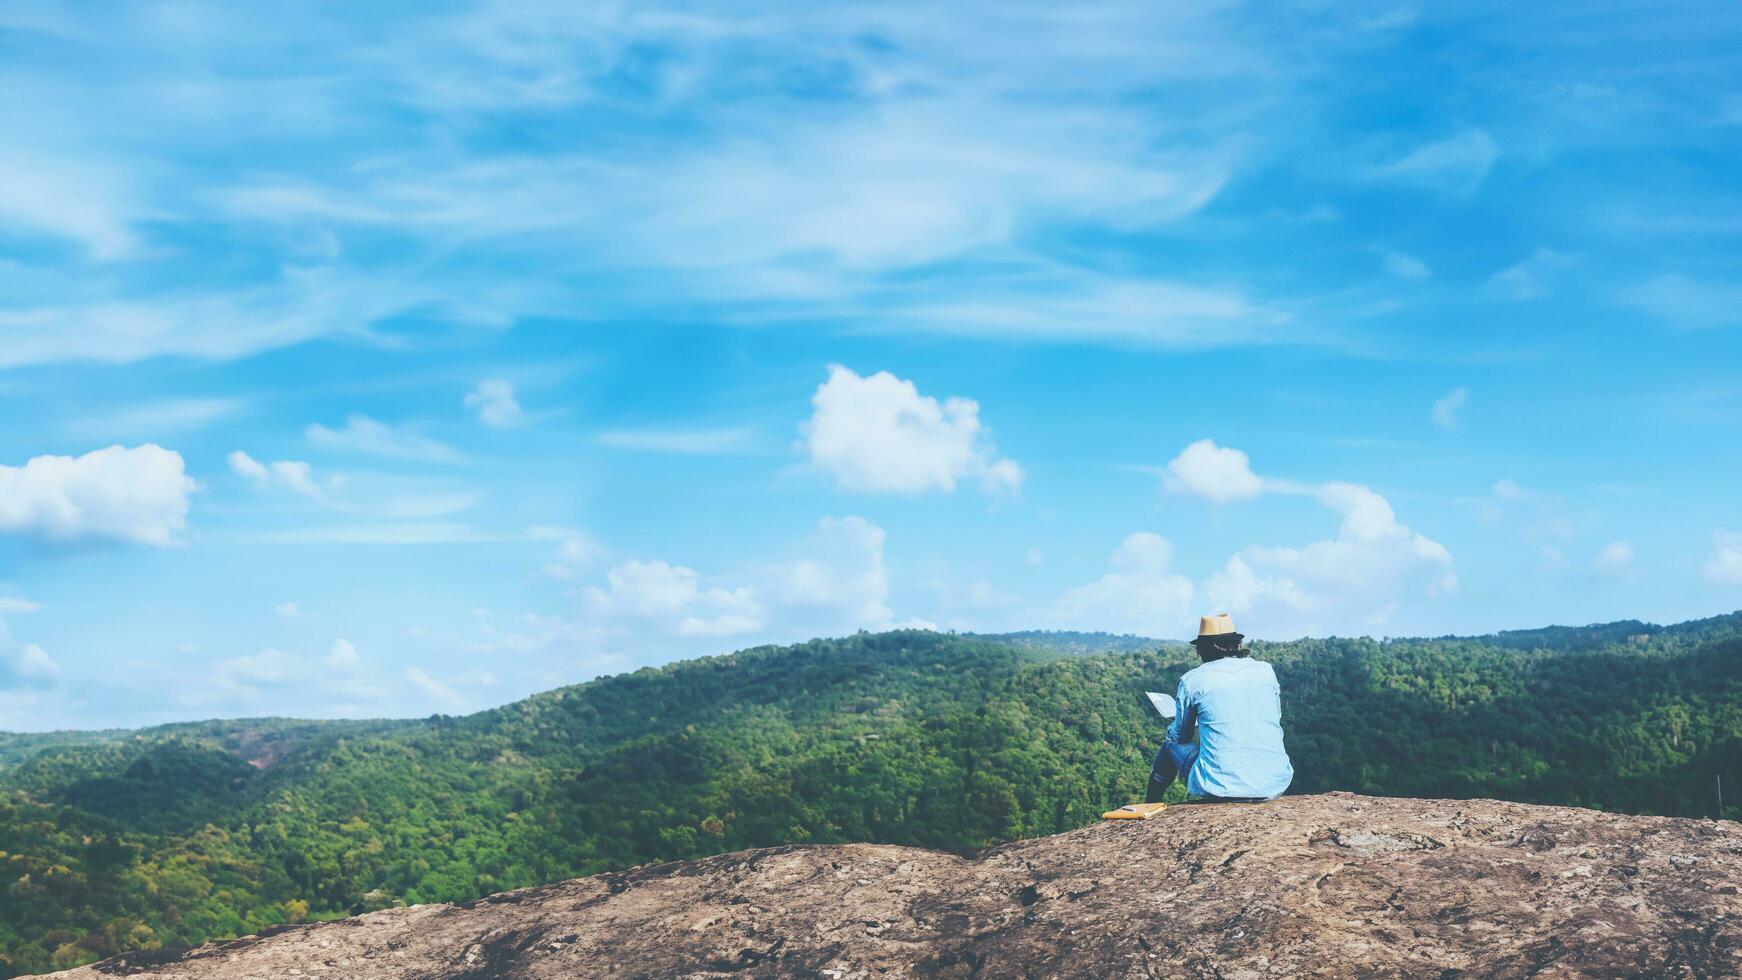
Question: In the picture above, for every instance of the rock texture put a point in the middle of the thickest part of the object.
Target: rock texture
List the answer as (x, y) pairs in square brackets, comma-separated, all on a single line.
[(1334, 886)]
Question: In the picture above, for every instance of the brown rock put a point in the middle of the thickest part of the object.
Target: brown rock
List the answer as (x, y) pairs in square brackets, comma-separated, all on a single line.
[(1333, 886)]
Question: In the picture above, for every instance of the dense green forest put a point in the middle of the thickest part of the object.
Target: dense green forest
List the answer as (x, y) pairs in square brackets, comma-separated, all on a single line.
[(180, 834)]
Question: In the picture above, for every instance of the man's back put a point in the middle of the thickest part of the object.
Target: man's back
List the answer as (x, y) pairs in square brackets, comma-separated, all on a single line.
[(1235, 705)]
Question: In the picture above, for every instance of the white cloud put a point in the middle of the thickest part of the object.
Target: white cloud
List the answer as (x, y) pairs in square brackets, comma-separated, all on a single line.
[(362, 434), (1360, 575), (493, 400), (23, 666), (673, 595), (1507, 489), (286, 610), (1446, 408), (835, 582), (1238, 587), (433, 689), (1139, 595), (267, 668), (576, 550), (1207, 470), (878, 434), (1724, 567), (343, 656), (296, 476), (1529, 278), (1456, 165), (1616, 557), (840, 583), (337, 684), (1690, 303), (1403, 266), (139, 495), (249, 468), (1366, 515), (293, 475), (686, 442), (26, 666)]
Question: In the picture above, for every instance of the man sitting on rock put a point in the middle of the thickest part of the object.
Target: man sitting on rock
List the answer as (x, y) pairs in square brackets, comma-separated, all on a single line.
[(1225, 740)]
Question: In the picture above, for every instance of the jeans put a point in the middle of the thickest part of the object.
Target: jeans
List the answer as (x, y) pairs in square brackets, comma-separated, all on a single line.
[(1175, 759)]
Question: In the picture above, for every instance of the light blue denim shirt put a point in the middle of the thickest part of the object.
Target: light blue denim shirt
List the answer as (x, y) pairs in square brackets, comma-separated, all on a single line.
[(1234, 707)]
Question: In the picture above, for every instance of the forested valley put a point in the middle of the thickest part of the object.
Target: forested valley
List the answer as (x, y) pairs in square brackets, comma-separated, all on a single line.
[(172, 836)]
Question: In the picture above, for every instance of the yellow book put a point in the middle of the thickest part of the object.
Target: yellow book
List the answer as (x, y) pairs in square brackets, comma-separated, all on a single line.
[(1134, 811)]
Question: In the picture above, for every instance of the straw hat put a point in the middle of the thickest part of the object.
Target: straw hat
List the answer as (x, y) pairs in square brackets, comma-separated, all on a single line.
[(1217, 626)]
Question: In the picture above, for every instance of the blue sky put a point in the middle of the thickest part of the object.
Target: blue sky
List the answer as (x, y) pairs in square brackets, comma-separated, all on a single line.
[(390, 362)]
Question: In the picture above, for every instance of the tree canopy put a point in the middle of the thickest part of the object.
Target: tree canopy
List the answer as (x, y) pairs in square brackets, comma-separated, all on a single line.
[(170, 836)]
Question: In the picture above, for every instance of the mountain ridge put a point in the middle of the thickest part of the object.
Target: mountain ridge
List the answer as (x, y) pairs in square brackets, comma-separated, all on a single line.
[(1059, 641)]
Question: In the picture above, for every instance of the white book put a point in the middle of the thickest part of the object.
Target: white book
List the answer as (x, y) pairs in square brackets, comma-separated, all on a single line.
[(1163, 704)]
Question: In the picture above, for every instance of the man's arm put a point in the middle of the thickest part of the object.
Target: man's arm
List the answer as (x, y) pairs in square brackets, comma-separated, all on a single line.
[(1185, 720)]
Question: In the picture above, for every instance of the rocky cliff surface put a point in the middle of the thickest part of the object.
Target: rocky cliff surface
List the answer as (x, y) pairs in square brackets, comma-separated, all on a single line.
[(1333, 885)]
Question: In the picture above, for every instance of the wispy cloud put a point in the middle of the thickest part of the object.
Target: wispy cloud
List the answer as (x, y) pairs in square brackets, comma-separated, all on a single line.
[(1457, 164), (156, 420), (1616, 558), (215, 324), (1069, 305), (1448, 407), (1684, 302), (436, 691), (785, 163), (362, 434), (1404, 266), (1530, 278), (293, 475), (67, 198), (1724, 567), (826, 154), (493, 399), (808, 218)]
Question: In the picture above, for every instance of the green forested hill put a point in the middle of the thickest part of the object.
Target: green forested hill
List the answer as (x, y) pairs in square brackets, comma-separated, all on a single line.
[(179, 834)]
